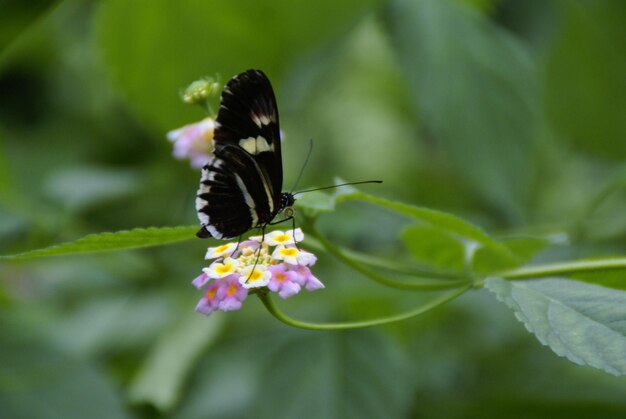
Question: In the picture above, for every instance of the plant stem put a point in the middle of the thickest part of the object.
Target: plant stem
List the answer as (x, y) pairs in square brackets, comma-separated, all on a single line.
[(431, 285), (382, 263), (563, 268), (269, 304)]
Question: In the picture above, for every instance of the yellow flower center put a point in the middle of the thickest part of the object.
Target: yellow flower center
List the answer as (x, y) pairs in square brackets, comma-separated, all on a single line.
[(210, 294), (224, 269), (222, 248), (282, 238), (255, 276), (290, 251)]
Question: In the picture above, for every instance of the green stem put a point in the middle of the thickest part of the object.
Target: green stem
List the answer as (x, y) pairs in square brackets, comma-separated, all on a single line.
[(379, 262), (432, 285), (269, 304), (563, 268)]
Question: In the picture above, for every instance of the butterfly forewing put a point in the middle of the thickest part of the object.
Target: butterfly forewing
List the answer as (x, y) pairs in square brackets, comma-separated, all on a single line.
[(240, 189)]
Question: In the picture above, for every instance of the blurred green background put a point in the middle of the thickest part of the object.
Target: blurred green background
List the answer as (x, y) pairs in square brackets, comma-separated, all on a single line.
[(508, 113)]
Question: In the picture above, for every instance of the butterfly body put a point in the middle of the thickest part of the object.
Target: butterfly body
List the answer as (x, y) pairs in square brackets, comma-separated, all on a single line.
[(240, 188)]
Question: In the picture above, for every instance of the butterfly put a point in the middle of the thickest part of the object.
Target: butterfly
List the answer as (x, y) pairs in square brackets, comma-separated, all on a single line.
[(240, 188)]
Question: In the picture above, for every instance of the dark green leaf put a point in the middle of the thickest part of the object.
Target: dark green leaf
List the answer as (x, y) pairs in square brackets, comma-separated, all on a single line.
[(610, 279), (39, 381), (312, 203), (475, 87), (339, 375), (106, 242), (485, 261), (175, 43), (17, 16), (435, 247), (584, 323), (438, 219), (162, 376), (586, 87)]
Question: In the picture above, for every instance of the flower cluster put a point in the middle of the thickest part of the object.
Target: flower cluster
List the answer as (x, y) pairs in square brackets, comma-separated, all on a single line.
[(273, 261)]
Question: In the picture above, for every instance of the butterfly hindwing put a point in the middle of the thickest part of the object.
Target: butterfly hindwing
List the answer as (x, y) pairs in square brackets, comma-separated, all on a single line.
[(240, 188)]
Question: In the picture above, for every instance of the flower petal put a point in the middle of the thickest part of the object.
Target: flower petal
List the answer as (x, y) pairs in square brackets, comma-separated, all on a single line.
[(255, 277), (194, 142), (204, 307), (200, 280), (222, 269), (289, 289), (220, 251)]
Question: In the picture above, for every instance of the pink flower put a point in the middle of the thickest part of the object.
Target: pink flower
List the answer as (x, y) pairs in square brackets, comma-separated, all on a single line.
[(224, 294), (283, 282), (305, 278), (209, 302), (200, 280), (194, 142), (231, 294)]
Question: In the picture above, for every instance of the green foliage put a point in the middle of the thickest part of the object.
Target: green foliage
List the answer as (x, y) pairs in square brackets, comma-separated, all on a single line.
[(496, 126), (40, 380), (582, 322), (440, 220), (476, 88), (432, 246), (161, 379), (106, 242), (586, 92), (17, 16), (348, 368), (158, 63)]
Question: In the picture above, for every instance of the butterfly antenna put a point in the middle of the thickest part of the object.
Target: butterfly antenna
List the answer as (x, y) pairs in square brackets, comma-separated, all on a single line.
[(306, 161), (336, 186)]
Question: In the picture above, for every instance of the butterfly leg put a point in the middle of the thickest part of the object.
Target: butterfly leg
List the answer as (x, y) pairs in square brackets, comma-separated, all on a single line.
[(258, 253), (290, 214), (237, 247)]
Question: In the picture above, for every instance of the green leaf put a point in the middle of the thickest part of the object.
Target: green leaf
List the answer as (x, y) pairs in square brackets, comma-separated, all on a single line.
[(83, 187), (486, 261), (585, 87), (314, 202), (163, 374), (18, 16), (525, 248), (40, 381), (474, 85), (175, 43), (584, 323), (610, 279), (106, 242), (440, 220), (347, 375), (435, 247)]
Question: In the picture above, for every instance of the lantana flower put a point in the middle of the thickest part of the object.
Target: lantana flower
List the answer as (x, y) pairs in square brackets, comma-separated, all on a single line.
[(194, 142), (252, 265)]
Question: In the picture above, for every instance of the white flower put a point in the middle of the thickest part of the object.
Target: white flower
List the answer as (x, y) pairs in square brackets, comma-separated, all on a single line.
[(255, 277), (222, 269), (220, 251), (288, 254), (278, 237)]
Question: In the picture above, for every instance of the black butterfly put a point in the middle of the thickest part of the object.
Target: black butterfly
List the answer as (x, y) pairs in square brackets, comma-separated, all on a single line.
[(241, 187)]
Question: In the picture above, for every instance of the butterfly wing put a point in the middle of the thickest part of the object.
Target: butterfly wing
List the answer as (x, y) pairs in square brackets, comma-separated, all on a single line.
[(240, 189)]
